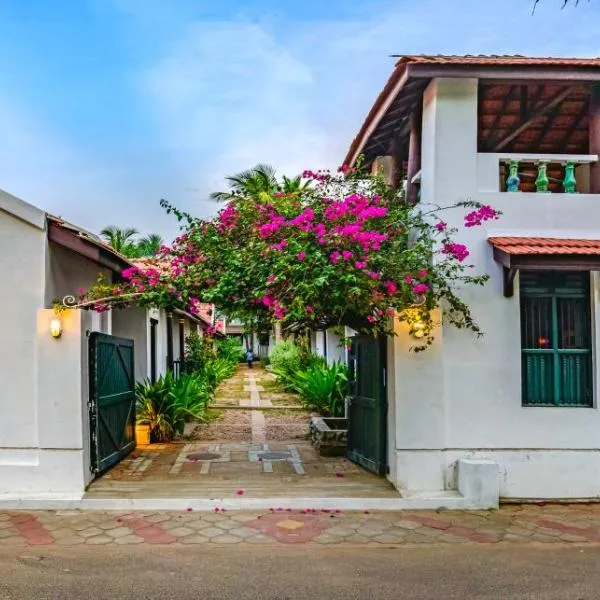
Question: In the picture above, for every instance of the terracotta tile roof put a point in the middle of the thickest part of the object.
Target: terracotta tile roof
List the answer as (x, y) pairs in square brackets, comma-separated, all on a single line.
[(535, 245), (402, 82), (516, 60)]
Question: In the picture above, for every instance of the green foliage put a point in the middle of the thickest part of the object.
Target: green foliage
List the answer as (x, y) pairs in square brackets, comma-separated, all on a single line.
[(314, 252), (321, 387), (124, 242), (199, 350), (230, 349), (169, 402)]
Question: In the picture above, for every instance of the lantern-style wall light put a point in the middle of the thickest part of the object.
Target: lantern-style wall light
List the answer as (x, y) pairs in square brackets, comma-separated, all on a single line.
[(417, 329), (56, 327)]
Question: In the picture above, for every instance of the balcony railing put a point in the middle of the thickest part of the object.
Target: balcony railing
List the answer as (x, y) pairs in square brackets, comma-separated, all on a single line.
[(541, 173)]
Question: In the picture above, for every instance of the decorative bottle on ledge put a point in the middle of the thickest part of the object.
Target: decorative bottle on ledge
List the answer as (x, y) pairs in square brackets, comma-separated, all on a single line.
[(569, 182), (513, 181), (542, 181)]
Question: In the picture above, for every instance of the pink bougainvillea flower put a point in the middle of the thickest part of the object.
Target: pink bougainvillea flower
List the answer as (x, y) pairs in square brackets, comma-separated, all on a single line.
[(340, 473), (390, 287), (301, 256), (334, 257), (309, 309), (373, 274), (360, 264), (423, 273), (420, 288), (346, 255), (408, 278), (477, 217), (240, 492), (271, 278), (458, 251), (441, 226), (371, 319), (189, 509)]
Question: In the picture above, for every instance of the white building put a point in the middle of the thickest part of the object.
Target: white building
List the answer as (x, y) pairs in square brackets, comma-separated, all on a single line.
[(526, 394), (44, 383)]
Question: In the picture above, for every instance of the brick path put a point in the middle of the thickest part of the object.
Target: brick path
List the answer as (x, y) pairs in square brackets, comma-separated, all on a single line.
[(553, 524)]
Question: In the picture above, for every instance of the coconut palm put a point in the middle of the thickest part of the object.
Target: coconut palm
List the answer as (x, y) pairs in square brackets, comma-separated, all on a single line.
[(258, 183), (149, 245), (121, 239)]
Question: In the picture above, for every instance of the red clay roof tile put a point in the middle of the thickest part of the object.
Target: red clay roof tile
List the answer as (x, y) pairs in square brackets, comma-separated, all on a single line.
[(536, 245)]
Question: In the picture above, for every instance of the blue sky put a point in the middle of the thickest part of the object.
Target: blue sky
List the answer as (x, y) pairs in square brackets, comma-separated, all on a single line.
[(106, 106)]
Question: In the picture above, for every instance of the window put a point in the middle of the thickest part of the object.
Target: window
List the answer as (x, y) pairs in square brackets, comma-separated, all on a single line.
[(556, 338)]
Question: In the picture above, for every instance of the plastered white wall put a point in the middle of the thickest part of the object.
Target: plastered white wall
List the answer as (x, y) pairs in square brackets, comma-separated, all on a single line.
[(463, 396), (133, 324)]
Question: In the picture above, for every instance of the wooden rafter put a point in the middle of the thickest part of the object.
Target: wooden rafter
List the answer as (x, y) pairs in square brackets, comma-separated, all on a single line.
[(535, 115), (547, 125)]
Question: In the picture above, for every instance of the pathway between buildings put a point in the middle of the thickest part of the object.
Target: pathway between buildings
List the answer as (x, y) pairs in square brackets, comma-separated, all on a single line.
[(257, 447)]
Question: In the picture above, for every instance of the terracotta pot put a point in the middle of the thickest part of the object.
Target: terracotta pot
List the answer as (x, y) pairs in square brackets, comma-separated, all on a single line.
[(142, 435)]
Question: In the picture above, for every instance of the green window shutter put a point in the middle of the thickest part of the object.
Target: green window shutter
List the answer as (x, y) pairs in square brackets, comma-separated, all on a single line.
[(556, 338)]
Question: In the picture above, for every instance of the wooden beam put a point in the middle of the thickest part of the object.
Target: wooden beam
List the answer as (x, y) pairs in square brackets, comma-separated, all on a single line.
[(508, 281), (414, 155), (523, 98), (546, 127), (557, 99)]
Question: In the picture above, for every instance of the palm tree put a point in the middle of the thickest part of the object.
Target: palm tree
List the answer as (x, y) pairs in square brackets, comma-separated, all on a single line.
[(121, 239), (258, 183), (149, 245)]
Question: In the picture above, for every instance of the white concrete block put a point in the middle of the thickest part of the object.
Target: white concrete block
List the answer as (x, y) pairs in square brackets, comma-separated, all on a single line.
[(478, 482)]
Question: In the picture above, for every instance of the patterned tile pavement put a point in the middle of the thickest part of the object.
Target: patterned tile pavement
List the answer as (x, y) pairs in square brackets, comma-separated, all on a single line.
[(553, 524)]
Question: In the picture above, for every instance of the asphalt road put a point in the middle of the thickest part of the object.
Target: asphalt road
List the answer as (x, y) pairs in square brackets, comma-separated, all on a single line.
[(243, 572)]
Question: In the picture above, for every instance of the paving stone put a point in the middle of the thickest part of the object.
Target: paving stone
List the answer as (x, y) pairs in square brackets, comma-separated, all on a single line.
[(212, 532), (260, 539), (99, 540), (193, 539), (91, 532), (198, 524), (180, 532), (226, 525), (568, 537), (118, 532), (386, 538), (73, 540), (325, 538), (538, 537), (225, 539), (243, 518), (12, 541), (452, 539), (158, 518), (407, 524), (340, 531), (213, 518), (242, 532), (129, 540), (356, 539)]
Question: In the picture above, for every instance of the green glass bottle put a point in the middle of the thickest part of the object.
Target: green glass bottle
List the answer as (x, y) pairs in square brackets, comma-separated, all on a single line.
[(569, 182), (542, 181)]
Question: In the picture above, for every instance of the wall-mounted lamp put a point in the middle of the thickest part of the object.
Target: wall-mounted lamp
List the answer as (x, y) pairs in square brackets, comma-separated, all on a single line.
[(418, 329), (56, 327)]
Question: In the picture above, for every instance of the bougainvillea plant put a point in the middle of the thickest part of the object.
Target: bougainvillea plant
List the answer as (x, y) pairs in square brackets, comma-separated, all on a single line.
[(346, 250)]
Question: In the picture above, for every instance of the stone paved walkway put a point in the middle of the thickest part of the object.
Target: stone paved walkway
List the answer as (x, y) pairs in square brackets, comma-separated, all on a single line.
[(551, 524), (270, 459)]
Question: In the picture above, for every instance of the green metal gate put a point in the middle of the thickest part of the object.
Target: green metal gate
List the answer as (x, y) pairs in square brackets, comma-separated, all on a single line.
[(367, 405), (112, 399)]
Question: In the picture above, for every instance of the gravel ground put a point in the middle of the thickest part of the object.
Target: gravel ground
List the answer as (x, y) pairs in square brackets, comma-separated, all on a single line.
[(286, 425), (231, 425)]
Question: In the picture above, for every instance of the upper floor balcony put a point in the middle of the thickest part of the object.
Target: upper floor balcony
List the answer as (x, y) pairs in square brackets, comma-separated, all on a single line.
[(535, 173)]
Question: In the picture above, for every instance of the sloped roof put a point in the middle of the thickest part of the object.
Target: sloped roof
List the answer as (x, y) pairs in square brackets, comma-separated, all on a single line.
[(523, 246), (388, 117)]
